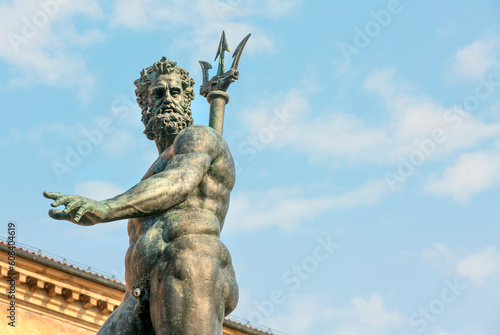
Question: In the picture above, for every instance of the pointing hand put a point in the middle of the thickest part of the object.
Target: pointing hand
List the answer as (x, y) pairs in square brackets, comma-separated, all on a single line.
[(79, 210)]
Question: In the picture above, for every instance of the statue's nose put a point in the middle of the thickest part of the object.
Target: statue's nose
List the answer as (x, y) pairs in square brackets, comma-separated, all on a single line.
[(168, 96)]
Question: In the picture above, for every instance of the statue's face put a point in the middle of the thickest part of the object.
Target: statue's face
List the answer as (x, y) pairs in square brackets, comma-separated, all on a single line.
[(169, 110), (166, 88)]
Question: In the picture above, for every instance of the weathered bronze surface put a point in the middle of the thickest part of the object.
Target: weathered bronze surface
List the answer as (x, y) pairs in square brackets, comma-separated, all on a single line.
[(179, 275)]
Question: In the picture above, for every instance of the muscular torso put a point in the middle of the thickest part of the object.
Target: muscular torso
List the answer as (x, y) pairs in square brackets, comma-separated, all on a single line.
[(201, 215)]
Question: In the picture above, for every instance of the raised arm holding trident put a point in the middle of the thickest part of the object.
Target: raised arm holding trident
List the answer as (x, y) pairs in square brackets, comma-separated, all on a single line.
[(179, 275)]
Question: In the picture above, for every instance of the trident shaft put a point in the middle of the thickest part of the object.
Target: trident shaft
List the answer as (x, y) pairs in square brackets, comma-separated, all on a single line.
[(215, 89)]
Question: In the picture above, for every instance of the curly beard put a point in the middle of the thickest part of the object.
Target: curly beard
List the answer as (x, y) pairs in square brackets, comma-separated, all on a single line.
[(166, 121)]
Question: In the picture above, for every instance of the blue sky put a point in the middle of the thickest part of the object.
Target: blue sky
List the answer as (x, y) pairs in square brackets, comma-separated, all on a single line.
[(366, 135)]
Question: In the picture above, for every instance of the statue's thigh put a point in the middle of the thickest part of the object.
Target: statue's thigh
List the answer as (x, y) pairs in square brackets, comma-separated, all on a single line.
[(124, 320), (188, 288)]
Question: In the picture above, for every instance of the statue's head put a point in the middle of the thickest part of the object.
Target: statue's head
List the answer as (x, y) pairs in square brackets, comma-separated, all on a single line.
[(164, 93)]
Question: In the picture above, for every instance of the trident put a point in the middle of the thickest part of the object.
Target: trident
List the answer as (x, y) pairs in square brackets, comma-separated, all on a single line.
[(215, 89)]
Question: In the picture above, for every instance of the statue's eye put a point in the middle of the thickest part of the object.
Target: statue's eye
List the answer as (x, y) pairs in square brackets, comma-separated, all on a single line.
[(159, 92), (175, 91)]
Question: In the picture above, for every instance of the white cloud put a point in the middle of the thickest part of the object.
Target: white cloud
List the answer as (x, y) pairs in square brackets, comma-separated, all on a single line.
[(288, 208), (319, 134), (481, 266), (101, 190), (199, 25), (471, 329), (442, 332), (367, 316), (384, 83), (35, 134), (448, 30), (116, 133), (279, 7), (440, 256), (411, 119), (475, 59), (98, 190), (120, 143), (38, 138), (415, 117), (305, 312), (415, 129), (472, 173), (361, 316), (146, 14), (40, 41)]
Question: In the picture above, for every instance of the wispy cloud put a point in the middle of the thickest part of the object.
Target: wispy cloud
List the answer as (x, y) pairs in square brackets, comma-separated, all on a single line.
[(277, 8), (120, 143), (41, 40), (475, 329), (113, 132), (366, 316), (480, 267), (441, 257), (288, 208), (359, 317), (411, 117), (199, 25), (474, 60), (417, 129), (38, 137), (470, 174), (442, 332), (415, 117), (98, 190)]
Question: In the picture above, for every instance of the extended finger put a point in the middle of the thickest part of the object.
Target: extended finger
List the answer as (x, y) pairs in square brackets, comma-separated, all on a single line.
[(72, 205), (80, 213), (52, 195), (57, 214), (62, 201)]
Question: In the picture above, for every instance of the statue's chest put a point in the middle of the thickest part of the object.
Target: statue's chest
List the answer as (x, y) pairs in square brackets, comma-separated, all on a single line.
[(159, 165)]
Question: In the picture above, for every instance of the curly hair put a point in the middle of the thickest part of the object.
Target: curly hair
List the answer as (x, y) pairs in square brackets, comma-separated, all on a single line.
[(143, 84)]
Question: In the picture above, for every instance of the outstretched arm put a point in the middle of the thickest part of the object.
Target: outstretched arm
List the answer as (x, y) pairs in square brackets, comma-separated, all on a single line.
[(162, 190), (191, 156)]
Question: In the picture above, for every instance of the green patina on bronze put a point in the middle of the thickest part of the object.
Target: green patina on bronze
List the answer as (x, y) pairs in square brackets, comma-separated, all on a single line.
[(179, 275)]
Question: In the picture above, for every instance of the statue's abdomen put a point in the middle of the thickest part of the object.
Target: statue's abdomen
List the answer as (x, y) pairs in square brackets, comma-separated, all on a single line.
[(145, 249), (156, 239)]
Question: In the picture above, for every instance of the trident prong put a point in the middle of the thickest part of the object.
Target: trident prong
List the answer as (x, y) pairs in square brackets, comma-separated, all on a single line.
[(215, 89), (221, 81), (238, 51), (223, 46), (205, 66)]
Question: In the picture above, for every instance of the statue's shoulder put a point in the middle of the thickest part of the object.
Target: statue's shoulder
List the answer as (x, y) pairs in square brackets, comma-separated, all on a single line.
[(201, 132), (199, 136)]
